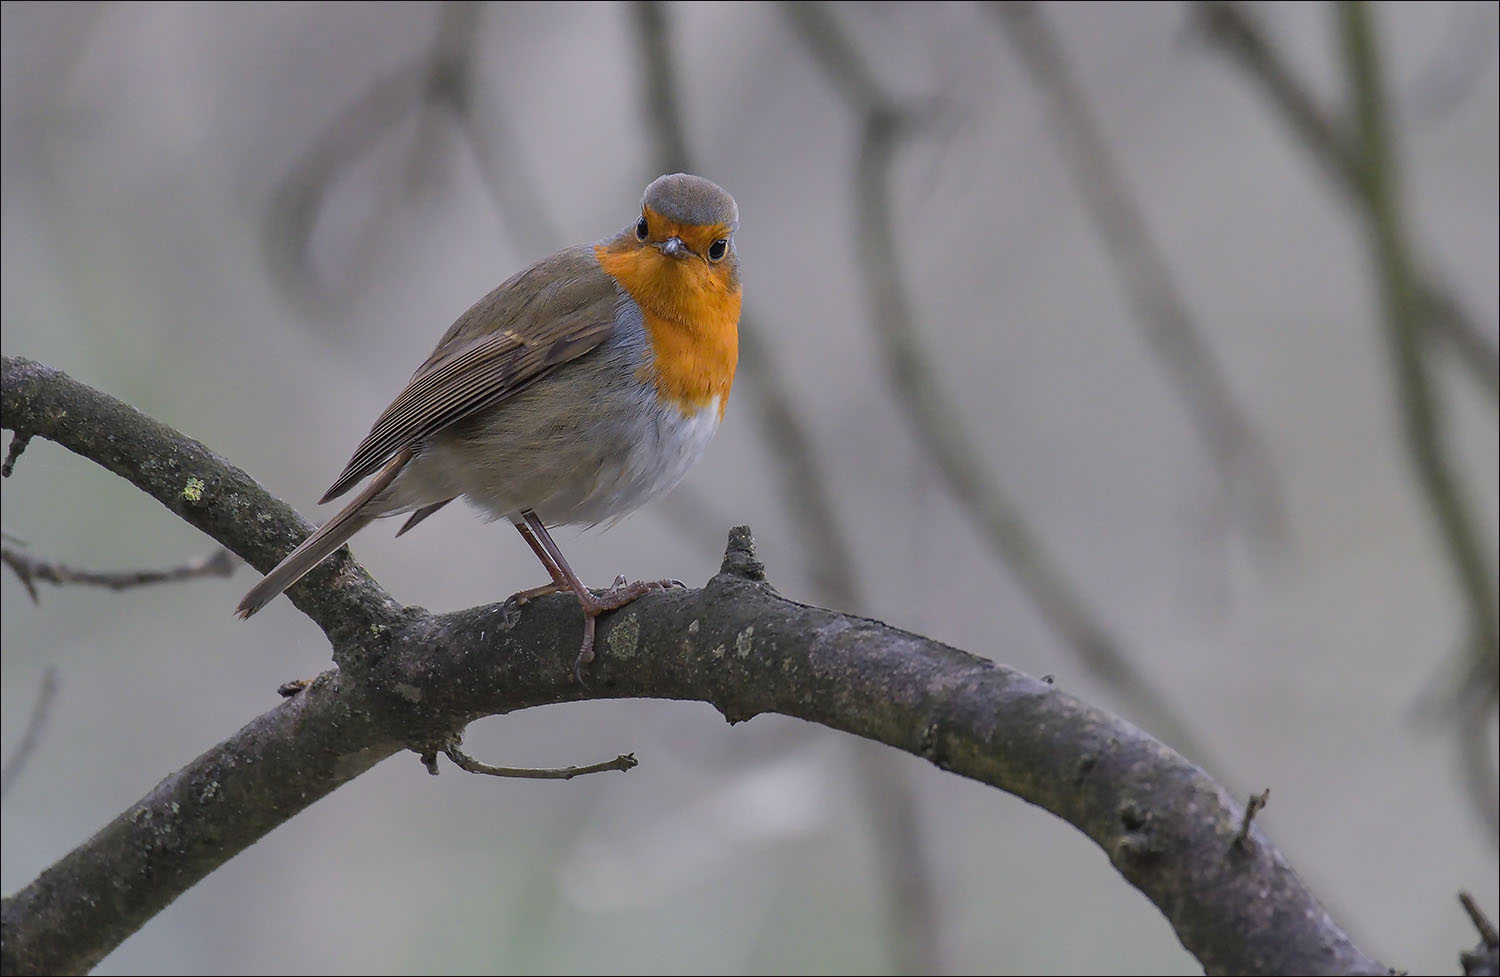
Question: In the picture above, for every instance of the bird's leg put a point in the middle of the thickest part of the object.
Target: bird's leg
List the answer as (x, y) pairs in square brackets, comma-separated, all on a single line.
[(593, 605), (559, 581)]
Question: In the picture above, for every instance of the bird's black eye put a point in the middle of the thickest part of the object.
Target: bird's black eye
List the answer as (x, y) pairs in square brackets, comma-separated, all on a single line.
[(641, 230), (718, 249)]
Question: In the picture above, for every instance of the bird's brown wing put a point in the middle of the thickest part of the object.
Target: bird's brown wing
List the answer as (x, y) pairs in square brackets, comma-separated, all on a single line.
[(553, 312)]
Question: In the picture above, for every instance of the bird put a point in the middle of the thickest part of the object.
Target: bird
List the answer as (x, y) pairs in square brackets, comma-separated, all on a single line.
[(573, 393)]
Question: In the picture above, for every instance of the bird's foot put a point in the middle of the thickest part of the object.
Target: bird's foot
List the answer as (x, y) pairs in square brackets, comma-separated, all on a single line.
[(616, 597)]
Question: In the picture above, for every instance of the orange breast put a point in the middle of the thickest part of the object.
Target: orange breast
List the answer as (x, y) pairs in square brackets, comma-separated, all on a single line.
[(692, 313)]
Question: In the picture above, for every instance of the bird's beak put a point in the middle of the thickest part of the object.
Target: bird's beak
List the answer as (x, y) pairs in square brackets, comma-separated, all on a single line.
[(673, 246)]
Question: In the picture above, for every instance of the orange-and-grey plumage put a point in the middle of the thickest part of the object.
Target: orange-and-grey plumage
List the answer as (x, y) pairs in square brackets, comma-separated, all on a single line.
[(573, 393)]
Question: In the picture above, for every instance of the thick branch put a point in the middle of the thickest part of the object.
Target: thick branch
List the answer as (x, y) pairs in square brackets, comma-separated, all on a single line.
[(82, 907), (1167, 827), (194, 483)]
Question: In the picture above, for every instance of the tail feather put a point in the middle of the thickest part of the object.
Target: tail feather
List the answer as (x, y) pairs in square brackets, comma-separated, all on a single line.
[(321, 544), (419, 515)]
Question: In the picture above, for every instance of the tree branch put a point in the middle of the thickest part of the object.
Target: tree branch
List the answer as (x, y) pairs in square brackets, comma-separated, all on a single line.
[(1329, 139), (200, 487), (409, 679)]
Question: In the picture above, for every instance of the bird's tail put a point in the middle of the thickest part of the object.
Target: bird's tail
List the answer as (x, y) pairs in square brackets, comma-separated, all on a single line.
[(321, 544)]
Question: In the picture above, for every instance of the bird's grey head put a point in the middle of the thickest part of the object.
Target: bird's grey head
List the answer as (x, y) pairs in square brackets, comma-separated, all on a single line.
[(687, 199)]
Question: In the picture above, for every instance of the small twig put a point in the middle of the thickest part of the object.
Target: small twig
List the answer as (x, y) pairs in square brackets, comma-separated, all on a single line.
[(18, 443), (298, 199), (1332, 144), (1484, 959), (1253, 807), (219, 563), (463, 761), (654, 45), (1244, 466), (502, 170), (32, 735), (1487, 931), (442, 77)]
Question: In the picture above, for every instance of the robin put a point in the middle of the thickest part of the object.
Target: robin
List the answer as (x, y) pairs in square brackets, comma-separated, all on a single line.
[(575, 392)]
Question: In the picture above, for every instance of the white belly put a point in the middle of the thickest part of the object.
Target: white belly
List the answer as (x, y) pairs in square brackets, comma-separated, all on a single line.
[(668, 445)]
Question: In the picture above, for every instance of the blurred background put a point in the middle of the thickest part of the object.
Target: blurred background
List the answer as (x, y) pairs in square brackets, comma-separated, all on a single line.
[(1063, 345)]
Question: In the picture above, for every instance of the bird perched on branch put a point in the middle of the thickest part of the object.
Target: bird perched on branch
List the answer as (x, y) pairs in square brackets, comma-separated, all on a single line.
[(575, 392)]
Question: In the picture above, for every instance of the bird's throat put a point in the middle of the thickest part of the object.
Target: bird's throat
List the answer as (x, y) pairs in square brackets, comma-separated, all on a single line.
[(691, 311)]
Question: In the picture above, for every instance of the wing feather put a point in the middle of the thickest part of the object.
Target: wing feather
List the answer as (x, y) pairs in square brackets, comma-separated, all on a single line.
[(553, 312)]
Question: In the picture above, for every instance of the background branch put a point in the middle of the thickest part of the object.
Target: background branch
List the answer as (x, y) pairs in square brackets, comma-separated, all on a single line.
[(938, 425), (413, 678), (31, 736), (219, 563), (1246, 470), (1423, 423), (1238, 33)]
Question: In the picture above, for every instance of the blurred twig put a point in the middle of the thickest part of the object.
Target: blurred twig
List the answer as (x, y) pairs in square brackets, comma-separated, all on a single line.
[(32, 735), (1245, 468), (939, 427), (915, 943), (1402, 309), (1484, 958), (659, 68), (502, 169), (219, 563), (1487, 931), (1332, 144), (1474, 739), (298, 198), (439, 81)]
